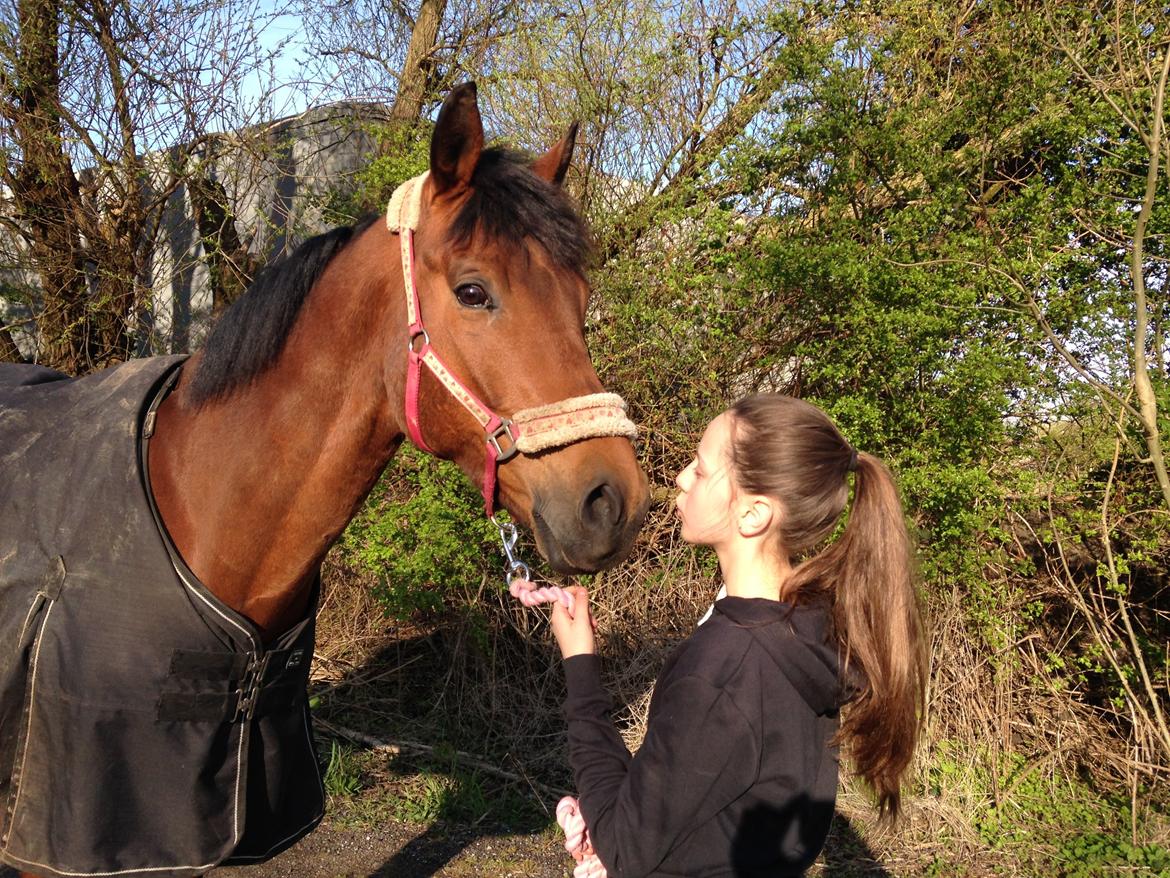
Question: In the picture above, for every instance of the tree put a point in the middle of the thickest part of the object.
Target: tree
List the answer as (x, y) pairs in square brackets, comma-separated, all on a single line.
[(105, 110), (1122, 62), (405, 54), (662, 91), (983, 247)]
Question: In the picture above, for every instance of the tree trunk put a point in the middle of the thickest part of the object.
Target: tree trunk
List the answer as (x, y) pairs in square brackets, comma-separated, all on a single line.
[(44, 187), (230, 264), (412, 84)]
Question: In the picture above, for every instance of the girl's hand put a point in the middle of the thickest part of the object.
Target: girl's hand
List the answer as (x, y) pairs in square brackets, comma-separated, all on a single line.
[(574, 633)]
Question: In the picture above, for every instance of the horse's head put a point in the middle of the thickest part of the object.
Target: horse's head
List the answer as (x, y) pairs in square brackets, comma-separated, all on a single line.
[(498, 263)]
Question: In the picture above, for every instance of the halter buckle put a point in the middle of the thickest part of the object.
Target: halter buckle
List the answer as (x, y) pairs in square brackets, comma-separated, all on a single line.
[(493, 438)]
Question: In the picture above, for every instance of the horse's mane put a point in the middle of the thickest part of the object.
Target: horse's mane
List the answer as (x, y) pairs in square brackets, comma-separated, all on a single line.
[(250, 334), (508, 202)]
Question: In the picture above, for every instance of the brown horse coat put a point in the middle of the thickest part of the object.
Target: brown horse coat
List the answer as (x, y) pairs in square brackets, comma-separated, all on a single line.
[(144, 729)]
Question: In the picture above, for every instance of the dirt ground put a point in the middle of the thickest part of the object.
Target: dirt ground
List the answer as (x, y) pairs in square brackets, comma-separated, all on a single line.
[(343, 848), (396, 850), (400, 851), (347, 845)]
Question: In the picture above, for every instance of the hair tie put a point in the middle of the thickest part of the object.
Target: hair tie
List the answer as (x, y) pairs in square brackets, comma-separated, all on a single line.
[(852, 459)]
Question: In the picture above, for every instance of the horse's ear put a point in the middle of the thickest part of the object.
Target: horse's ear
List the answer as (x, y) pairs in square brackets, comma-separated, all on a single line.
[(554, 163), (457, 140)]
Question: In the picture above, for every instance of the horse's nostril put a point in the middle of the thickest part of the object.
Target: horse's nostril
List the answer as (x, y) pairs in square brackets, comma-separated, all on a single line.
[(603, 506)]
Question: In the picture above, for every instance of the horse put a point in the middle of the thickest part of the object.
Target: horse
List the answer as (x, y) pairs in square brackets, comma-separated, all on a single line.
[(154, 722)]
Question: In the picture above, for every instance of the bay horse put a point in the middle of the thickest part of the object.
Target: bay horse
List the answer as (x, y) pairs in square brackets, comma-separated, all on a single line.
[(127, 748)]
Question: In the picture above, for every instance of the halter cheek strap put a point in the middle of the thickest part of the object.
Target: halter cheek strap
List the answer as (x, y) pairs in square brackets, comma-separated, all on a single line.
[(529, 430)]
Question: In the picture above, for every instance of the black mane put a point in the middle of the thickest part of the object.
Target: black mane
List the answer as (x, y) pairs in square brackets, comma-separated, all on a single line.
[(509, 202), (250, 335)]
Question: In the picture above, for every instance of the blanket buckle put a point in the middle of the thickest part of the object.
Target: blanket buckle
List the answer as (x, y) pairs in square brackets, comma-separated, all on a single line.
[(248, 693)]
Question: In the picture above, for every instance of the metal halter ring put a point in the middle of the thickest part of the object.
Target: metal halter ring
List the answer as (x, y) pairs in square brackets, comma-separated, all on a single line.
[(410, 341), (505, 429)]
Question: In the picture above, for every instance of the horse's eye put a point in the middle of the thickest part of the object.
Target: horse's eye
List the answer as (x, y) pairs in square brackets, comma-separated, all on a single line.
[(472, 296)]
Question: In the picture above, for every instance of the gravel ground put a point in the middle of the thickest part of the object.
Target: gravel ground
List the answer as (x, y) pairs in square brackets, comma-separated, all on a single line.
[(396, 850)]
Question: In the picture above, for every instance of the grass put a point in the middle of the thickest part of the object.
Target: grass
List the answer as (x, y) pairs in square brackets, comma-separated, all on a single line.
[(342, 771), (1048, 824), (374, 787)]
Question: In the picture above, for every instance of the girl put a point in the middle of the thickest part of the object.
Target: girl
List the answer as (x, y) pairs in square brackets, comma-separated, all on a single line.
[(737, 774)]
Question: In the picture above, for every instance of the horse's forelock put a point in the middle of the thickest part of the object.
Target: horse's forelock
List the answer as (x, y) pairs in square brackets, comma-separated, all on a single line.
[(509, 202)]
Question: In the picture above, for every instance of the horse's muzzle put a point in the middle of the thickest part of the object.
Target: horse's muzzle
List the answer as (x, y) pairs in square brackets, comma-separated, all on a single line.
[(590, 530)]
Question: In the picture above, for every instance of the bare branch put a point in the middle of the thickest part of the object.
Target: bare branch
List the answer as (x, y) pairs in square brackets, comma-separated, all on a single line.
[(1142, 384)]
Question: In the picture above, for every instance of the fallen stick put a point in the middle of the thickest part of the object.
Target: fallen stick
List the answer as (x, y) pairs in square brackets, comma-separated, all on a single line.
[(396, 747)]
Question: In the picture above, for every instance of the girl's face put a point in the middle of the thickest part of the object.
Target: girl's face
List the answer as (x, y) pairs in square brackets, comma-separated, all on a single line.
[(705, 501)]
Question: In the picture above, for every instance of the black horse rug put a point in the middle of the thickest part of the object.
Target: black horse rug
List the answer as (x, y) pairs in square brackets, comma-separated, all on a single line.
[(144, 727)]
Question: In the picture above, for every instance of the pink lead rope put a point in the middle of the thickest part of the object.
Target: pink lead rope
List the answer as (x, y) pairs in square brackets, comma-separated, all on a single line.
[(577, 840), (531, 595)]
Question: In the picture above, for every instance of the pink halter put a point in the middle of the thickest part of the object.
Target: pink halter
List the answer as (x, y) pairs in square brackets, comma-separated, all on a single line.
[(528, 430)]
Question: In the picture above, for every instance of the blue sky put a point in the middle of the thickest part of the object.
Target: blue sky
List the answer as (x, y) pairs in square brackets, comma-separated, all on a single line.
[(288, 65)]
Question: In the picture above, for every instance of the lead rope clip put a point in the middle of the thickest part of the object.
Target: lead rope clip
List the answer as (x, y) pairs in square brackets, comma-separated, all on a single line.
[(515, 568), (519, 577)]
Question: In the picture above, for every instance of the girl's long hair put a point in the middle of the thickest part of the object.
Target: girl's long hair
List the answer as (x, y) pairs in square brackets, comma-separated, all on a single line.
[(789, 450)]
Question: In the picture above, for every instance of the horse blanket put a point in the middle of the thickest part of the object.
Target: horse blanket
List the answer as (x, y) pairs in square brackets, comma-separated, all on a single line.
[(144, 727)]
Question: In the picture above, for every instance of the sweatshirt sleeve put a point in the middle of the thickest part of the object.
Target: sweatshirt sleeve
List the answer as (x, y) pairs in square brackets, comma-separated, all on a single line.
[(699, 755)]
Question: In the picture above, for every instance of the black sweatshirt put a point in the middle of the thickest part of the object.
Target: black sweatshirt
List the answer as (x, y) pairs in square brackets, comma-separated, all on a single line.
[(736, 775)]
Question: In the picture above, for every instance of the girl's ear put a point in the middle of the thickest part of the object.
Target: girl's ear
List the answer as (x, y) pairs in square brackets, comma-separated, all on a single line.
[(756, 515)]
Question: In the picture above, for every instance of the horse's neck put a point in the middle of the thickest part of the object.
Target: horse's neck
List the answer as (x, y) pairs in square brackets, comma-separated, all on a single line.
[(255, 488)]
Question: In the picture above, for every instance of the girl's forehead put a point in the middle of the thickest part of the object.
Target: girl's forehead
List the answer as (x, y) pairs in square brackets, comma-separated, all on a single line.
[(715, 439)]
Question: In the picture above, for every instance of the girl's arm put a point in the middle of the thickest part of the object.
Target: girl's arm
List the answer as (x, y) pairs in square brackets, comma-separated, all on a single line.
[(699, 755)]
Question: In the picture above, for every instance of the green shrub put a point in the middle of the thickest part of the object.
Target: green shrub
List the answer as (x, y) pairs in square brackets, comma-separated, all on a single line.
[(423, 534)]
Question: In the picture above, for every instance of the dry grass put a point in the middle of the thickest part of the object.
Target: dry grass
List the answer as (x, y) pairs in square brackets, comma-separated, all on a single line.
[(487, 677)]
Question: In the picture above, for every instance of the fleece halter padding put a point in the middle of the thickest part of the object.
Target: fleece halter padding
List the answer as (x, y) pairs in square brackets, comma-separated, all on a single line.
[(527, 431)]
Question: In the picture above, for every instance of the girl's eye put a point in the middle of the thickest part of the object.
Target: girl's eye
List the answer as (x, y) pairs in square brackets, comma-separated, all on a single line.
[(472, 296)]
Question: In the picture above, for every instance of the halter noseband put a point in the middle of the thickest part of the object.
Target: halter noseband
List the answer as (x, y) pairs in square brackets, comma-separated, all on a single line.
[(529, 430)]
